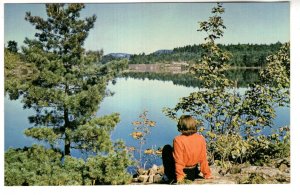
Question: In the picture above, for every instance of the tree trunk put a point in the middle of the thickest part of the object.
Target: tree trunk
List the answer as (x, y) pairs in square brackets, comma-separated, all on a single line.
[(67, 124), (67, 138), (67, 145)]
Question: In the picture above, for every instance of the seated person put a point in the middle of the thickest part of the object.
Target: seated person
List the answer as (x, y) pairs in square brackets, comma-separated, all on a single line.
[(189, 150)]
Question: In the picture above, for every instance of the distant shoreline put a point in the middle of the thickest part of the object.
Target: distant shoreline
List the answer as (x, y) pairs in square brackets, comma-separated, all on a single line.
[(174, 68)]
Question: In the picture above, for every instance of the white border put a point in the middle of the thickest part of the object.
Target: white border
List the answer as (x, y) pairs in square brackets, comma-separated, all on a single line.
[(295, 80), (192, 189), (2, 93)]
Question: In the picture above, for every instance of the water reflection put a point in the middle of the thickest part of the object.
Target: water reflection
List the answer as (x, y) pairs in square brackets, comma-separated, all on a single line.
[(131, 97)]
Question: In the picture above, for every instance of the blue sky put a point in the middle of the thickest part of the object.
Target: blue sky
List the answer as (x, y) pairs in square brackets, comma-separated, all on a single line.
[(147, 27)]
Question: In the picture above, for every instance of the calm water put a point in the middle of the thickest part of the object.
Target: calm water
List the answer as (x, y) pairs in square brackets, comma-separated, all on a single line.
[(131, 97)]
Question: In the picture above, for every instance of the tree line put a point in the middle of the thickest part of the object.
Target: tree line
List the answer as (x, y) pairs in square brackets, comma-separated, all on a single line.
[(243, 55)]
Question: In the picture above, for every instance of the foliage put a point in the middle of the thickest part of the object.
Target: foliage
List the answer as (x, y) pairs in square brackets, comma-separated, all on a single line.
[(213, 103), (43, 133), (94, 136), (12, 46), (265, 148), (114, 57), (65, 93), (39, 166), (69, 87), (140, 133), (31, 166), (184, 182), (273, 91), (257, 150), (217, 103), (110, 169), (17, 73), (94, 56), (225, 148), (243, 55), (233, 121), (276, 75), (211, 67)]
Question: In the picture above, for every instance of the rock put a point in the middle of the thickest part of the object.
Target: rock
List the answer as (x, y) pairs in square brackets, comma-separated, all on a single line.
[(278, 162), (161, 170), (142, 171), (262, 175), (237, 174), (223, 171), (154, 167), (153, 170), (143, 178), (284, 168), (267, 172), (222, 180), (235, 170), (284, 178), (135, 179), (157, 178), (242, 178), (285, 161), (150, 180), (215, 170), (250, 169)]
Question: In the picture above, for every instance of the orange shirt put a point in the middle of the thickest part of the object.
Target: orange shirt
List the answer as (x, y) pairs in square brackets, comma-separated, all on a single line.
[(188, 151)]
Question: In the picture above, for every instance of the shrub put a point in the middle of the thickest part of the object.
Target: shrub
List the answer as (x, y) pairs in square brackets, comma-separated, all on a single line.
[(37, 165)]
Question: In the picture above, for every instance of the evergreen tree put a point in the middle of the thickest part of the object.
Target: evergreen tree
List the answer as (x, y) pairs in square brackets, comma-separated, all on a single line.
[(67, 90), (12, 46)]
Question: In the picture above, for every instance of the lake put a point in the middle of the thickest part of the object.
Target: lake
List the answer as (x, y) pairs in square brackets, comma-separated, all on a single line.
[(131, 98)]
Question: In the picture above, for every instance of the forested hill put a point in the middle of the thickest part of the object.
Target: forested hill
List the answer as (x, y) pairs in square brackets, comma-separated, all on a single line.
[(250, 55)]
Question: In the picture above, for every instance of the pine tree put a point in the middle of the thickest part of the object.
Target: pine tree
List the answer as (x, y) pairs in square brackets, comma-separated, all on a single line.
[(68, 88), (12, 46)]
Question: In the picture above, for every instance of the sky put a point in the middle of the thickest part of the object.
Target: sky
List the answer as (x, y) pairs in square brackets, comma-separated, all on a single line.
[(146, 27)]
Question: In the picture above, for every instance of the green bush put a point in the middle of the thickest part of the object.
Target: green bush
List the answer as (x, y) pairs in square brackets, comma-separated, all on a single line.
[(37, 166), (31, 166), (266, 148), (256, 150), (229, 148)]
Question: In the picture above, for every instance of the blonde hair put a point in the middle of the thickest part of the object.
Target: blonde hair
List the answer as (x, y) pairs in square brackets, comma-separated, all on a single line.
[(187, 125)]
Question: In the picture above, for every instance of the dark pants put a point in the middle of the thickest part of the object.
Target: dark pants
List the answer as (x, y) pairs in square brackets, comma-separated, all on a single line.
[(169, 166)]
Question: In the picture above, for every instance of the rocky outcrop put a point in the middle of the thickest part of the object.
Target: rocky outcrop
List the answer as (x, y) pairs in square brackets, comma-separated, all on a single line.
[(153, 175), (276, 173)]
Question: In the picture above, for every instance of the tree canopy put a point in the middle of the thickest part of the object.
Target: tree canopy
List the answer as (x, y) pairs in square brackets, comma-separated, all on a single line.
[(12, 46), (67, 89)]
